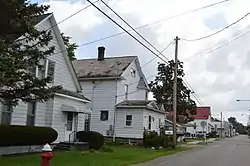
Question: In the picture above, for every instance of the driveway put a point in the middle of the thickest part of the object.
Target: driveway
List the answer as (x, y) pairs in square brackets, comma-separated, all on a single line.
[(230, 152)]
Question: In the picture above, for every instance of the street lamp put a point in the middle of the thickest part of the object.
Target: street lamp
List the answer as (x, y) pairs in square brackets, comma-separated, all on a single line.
[(242, 100)]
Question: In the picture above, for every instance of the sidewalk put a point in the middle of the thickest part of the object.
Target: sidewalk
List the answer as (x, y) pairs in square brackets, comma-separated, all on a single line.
[(200, 141)]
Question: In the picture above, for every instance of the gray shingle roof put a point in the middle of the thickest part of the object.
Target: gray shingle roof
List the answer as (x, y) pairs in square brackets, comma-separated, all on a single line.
[(134, 103), (73, 94), (109, 67)]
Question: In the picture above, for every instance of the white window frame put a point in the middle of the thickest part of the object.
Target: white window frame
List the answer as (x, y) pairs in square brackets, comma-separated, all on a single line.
[(32, 114), (127, 120), (46, 68), (9, 111)]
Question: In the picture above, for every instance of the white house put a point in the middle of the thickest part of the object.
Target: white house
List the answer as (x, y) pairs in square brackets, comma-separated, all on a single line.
[(65, 112), (110, 83), (203, 114)]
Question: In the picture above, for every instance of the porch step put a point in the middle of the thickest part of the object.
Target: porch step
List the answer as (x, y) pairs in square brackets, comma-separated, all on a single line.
[(67, 146)]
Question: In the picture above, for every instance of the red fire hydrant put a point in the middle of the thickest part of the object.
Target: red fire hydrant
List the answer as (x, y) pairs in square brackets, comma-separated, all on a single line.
[(46, 155)]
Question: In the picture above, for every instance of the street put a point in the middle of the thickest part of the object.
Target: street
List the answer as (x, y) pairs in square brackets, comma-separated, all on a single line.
[(230, 152)]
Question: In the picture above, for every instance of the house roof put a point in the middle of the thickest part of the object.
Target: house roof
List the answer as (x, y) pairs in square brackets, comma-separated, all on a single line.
[(73, 94), (139, 104), (134, 103), (109, 67), (202, 113)]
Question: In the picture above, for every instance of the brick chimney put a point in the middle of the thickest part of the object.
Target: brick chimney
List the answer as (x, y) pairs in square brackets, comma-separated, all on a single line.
[(101, 51)]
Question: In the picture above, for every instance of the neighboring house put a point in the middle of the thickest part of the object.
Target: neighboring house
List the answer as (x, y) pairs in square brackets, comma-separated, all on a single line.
[(133, 116), (202, 114), (110, 81), (65, 112), (224, 129)]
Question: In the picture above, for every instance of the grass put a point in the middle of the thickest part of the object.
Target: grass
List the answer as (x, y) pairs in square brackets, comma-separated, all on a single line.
[(121, 156)]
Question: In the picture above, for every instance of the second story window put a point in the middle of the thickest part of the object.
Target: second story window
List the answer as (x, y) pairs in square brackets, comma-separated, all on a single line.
[(132, 72), (31, 114), (146, 95), (7, 110), (51, 70), (126, 91), (41, 70), (47, 69)]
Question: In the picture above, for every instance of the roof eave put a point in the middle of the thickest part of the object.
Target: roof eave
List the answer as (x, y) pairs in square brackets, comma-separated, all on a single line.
[(97, 78)]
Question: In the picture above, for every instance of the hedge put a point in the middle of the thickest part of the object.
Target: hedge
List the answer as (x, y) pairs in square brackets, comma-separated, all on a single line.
[(95, 139), (14, 135)]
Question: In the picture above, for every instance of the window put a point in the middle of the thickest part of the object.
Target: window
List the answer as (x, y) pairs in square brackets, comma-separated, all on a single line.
[(46, 69), (31, 114), (69, 121), (146, 95), (128, 120), (149, 122), (51, 70), (41, 69), (7, 110), (132, 72), (126, 91), (104, 115)]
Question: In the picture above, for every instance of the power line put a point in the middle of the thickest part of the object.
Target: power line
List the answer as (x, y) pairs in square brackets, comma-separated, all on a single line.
[(212, 34), (155, 22), (131, 27), (230, 40), (125, 30), (147, 63), (193, 92), (130, 33), (66, 18)]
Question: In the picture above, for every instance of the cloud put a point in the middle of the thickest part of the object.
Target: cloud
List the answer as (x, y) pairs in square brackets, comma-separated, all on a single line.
[(219, 77)]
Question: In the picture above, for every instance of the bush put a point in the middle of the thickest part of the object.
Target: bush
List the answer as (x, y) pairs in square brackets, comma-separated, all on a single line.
[(153, 139), (95, 139), (14, 135)]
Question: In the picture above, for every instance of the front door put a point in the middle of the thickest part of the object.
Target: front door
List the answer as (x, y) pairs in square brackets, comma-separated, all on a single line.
[(69, 126)]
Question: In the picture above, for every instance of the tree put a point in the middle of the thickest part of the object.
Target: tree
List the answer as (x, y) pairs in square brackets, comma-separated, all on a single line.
[(162, 88), (22, 48), (71, 47), (239, 127)]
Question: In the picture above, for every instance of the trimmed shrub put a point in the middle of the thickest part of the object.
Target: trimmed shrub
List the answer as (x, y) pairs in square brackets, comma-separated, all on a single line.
[(95, 139), (14, 135), (153, 139)]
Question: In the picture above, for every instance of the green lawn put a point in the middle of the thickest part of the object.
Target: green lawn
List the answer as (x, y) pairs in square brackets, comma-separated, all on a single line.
[(121, 156)]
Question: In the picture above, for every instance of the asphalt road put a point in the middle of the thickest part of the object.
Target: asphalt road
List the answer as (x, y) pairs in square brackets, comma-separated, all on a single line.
[(230, 152)]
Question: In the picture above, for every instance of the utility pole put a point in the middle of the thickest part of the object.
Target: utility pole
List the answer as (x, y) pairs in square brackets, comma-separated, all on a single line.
[(221, 124), (175, 91)]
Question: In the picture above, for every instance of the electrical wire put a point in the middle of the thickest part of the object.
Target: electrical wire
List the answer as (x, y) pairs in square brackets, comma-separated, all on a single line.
[(221, 45), (132, 28), (155, 22), (125, 30), (217, 32), (128, 32)]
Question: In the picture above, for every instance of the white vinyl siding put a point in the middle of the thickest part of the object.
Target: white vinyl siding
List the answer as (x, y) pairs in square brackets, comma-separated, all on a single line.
[(135, 130)]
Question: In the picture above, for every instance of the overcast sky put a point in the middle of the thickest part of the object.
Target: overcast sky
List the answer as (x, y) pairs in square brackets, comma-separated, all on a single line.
[(219, 78)]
